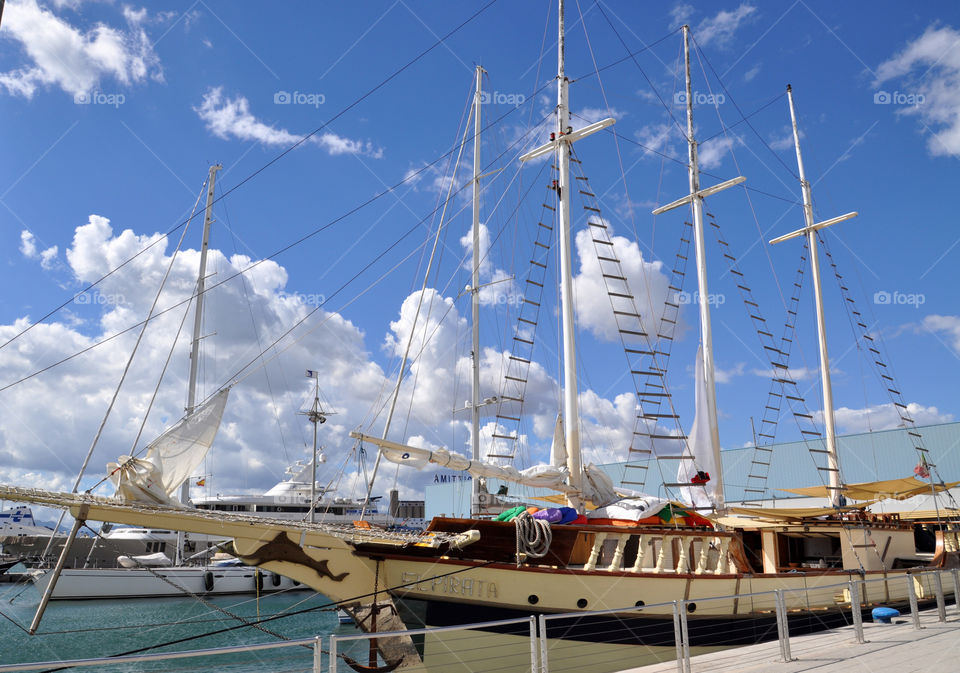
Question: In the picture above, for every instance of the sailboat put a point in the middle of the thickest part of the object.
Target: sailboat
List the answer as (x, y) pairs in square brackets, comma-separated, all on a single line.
[(628, 550), (170, 460)]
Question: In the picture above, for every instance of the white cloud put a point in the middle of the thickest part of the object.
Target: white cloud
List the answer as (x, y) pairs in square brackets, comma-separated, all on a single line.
[(42, 445), (647, 280), (28, 245), (63, 55), (497, 285), (929, 69), (727, 375), (751, 73), (882, 417), (590, 115), (656, 137), (680, 13), (949, 325), (49, 257), (711, 153), (720, 29), (230, 118)]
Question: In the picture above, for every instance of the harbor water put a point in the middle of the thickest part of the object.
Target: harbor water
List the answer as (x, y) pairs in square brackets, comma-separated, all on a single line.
[(88, 629)]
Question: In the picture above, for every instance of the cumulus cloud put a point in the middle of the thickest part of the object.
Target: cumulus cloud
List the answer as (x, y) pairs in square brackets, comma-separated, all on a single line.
[(882, 417), (497, 286), (927, 71), (42, 444), (59, 54), (720, 29), (948, 325), (648, 284), (711, 153), (231, 118), (28, 248)]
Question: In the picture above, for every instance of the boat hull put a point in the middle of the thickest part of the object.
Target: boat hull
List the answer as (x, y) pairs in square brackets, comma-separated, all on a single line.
[(102, 583)]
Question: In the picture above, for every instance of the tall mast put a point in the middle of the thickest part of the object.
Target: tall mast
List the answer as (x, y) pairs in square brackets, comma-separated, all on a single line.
[(695, 199), (201, 285), (560, 143), (810, 230), (571, 406), (197, 325), (706, 333), (475, 292)]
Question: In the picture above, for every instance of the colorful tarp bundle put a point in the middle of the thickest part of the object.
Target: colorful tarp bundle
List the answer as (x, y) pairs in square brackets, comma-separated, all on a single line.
[(553, 515)]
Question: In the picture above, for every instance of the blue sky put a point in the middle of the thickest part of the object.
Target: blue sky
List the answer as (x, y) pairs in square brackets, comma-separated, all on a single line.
[(112, 113)]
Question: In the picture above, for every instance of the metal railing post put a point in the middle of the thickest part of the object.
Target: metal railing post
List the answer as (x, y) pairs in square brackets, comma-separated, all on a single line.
[(333, 655), (855, 610), (544, 663), (317, 659), (685, 634), (783, 627), (678, 636), (914, 610), (956, 588), (534, 667), (941, 601)]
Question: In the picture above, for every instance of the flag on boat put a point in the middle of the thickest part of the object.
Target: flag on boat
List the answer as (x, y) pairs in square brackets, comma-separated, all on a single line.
[(313, 374)]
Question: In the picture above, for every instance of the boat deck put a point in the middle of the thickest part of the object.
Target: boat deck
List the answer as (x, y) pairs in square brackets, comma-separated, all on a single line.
[(889, 647)]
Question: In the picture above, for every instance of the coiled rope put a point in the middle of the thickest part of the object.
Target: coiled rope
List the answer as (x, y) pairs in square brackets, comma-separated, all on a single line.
[(533, 537)]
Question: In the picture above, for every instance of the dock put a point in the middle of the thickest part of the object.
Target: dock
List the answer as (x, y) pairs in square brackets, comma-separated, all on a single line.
[(889, 647)]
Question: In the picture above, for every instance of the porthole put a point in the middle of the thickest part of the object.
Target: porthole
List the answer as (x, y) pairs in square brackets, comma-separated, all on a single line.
[(639, 604), (582, 603), (691, 607), (533, 599)]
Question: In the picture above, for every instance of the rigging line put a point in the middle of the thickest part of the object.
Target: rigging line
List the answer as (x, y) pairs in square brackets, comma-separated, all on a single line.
[(666, 107), (327, 299), (683, 162), (616, 143), (736, 163), (328, 225), (126, 369), (270, 618), (267, 165), (752, 114), (743, 116), (256, 334), (436, 328)]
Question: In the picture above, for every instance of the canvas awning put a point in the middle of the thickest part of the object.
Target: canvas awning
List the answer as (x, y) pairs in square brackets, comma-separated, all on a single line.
[(898, 489), (794, 514)]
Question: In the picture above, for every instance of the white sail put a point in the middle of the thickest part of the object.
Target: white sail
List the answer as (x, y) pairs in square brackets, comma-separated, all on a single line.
[(558, 448), (597, 486), (171, 458), (698, 448)]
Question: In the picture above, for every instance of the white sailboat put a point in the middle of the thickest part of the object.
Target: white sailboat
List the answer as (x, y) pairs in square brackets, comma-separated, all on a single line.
[(467, 570), (156, 478)]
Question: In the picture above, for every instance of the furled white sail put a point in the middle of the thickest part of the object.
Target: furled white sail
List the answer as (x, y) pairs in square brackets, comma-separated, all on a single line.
[(597, 487), (558, 448), (702, 494), (171, 458)]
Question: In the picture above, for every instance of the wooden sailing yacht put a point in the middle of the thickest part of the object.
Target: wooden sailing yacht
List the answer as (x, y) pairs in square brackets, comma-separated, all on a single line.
[(467, 570)]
